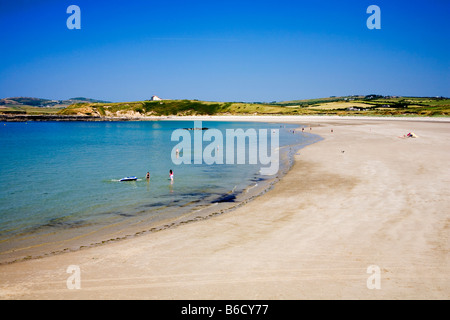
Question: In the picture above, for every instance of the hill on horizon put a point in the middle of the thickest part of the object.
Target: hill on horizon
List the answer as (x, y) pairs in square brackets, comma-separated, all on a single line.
[(369, 105), (39, 102)]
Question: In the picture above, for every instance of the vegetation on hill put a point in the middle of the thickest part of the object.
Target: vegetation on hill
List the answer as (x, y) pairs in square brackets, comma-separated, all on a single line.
[(21, 103), (172, 107), (24, 101), (371, 105), (375, 105), (356, 105)]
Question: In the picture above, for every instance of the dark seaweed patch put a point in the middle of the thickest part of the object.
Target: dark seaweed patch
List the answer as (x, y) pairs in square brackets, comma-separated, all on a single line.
[(62, 223), (126, 215), (225, 198), (257, 179), (156, 204)]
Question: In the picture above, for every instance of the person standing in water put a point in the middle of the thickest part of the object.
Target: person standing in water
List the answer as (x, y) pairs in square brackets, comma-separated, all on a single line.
[(171, 174), (148, 176)]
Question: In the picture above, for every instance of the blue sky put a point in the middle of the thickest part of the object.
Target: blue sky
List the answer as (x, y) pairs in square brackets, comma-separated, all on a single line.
[(223, 50)]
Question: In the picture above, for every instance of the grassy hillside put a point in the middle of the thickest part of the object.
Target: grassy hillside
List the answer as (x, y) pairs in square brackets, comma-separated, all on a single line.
[(26, 109), (309, 102), (372, 105), (355, 105), (37, 106), (172, 107)]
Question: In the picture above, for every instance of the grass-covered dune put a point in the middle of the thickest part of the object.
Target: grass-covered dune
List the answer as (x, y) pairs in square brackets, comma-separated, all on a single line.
[(172, 107)]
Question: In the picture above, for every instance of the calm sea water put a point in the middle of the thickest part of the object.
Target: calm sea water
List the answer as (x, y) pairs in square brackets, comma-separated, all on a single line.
[(59, 176)]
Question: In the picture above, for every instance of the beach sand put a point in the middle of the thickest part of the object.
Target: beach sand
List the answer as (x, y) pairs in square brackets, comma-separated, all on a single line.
[(360, 197)]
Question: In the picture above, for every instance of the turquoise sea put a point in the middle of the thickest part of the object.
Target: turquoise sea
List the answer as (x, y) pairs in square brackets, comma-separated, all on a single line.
[(60, 180)]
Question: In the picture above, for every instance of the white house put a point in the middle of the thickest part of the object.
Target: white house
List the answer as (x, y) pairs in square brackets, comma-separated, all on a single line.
[(155, 98)]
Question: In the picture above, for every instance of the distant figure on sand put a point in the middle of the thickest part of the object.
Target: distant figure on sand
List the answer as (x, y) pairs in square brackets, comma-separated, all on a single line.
[(171, 174)]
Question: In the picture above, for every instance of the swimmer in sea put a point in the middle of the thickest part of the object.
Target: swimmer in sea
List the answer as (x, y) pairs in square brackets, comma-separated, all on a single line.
[(171, 174)]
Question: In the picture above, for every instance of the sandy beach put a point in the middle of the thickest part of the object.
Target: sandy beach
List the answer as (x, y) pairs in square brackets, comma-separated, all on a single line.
[(364, 196)]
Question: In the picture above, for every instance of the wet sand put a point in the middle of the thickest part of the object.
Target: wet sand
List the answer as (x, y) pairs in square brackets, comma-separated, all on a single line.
[(362, 196)]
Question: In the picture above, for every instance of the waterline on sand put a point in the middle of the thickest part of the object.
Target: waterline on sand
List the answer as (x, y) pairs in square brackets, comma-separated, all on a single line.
[(100, 224)]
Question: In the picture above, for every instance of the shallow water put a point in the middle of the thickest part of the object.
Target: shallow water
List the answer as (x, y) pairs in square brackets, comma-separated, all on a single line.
[(60, 180)]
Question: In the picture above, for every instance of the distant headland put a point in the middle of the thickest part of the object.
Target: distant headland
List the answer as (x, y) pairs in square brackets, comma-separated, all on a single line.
[(86, 109)]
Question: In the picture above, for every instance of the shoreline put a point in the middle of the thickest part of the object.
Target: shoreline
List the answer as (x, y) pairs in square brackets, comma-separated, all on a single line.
[(312, 236), (101, 234)]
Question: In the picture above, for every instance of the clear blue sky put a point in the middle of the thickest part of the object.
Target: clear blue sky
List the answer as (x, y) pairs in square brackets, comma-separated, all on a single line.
[(234, 50)]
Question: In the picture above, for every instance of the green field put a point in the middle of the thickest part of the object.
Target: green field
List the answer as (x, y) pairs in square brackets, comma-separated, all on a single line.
[(374, 106), (23, 109)]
